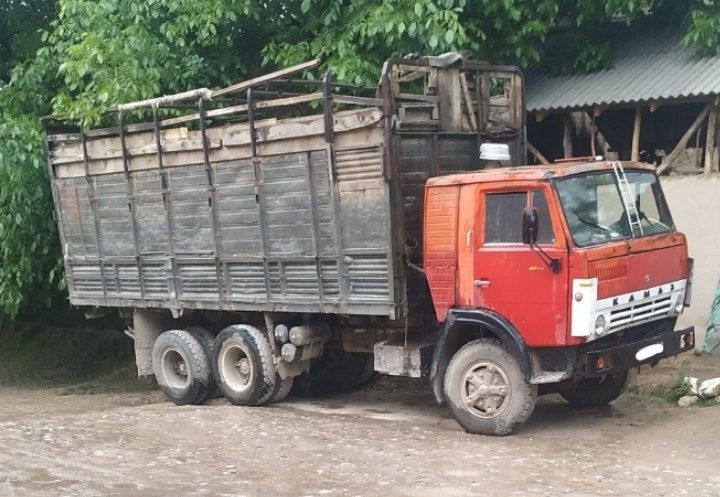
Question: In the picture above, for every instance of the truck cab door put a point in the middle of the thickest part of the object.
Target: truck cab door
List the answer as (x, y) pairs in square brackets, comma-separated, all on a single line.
[(510, 277)]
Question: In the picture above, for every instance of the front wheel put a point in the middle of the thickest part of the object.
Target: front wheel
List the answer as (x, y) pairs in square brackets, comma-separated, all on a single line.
[(486, 390), (595, 392)]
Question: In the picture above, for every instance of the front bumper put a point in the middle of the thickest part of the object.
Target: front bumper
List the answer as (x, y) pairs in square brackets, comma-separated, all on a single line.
[(619, 358)]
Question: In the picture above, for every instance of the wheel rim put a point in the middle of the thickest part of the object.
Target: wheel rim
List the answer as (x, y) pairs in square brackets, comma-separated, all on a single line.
[(485, 389), (235, 367), (175, 369)]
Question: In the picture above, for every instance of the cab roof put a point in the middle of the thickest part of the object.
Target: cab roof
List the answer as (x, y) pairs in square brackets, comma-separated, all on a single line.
[(534, 173)]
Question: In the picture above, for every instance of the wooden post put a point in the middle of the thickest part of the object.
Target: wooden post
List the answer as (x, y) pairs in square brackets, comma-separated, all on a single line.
[(450, 112), (567, 138), (583, 120), (672, 156), (469, 107), (635, 149), (709, 162)]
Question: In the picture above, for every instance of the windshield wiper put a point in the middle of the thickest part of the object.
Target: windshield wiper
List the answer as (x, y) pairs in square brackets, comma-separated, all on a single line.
[(652, 220), (596, 225)]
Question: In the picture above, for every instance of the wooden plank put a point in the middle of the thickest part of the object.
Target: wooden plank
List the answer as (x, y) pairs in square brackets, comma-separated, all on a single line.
[(709, 162), (277, 102), (672, 156), (65, 137), (420, 98), (450, 112), (352, 100), (635, 147), (469, 108), (412, 76), (244, 85), (537, 154)]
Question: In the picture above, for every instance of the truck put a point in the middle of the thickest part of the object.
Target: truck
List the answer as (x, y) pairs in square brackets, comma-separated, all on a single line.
[(288, 228)]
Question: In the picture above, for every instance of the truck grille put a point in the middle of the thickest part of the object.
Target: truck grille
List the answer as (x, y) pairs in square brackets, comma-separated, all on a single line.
[(640, 311)]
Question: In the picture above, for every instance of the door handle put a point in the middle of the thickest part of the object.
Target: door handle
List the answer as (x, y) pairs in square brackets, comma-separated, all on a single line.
[(481, 283)]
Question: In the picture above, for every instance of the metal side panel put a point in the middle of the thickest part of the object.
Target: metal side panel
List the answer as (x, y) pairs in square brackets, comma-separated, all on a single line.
[(288, 238)]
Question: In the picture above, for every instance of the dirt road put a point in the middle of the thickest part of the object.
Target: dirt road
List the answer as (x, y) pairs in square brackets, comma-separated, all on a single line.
[(387, 440)]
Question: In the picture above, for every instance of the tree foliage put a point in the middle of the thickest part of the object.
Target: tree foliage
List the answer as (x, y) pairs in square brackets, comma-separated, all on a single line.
[(20, 21), (78, 57), (30, 262)]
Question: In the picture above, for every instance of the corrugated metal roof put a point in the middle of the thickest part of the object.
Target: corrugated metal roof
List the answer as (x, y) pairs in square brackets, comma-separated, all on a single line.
[(648, 65)]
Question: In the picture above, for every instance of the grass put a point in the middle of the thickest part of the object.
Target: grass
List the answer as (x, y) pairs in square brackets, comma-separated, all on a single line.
[(670, 391), (78, 359)]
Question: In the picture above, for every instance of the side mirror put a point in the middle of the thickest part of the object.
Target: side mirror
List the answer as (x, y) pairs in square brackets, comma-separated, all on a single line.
[(529, 225)]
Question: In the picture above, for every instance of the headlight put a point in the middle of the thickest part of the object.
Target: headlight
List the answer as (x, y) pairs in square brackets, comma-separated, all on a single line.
[(679, 307), (600, 325)]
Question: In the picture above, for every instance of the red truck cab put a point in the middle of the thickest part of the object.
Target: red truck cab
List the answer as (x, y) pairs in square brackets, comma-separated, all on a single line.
[(553, 278)]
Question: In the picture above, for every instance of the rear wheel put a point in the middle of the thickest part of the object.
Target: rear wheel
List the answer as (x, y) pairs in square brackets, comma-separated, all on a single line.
[(182, 367), (207, 340), (282, 389), (336, 371), (595, 392), (243, 365), (486, 390)]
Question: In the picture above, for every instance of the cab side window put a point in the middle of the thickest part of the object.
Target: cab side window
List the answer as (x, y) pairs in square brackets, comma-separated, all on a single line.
[(545, 229), (503, 217)]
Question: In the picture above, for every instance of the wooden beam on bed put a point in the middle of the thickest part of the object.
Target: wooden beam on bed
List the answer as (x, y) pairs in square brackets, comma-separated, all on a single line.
[(266, 78)]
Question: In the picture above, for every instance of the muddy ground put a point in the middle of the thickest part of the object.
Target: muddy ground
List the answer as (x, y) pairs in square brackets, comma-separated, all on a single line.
[(387, 439)]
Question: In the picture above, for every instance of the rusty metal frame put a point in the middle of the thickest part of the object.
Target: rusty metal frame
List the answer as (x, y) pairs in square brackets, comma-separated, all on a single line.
[(167, 203), (92, 199), (329, 134), (220, 268), (259, 194), (132, 205), (57, 211)]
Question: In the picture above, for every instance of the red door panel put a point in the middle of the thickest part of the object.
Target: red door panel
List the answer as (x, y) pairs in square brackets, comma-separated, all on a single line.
[(510, 278)]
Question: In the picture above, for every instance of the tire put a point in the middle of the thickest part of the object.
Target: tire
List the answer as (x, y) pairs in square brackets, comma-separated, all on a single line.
[(366, 373), (243, 365), (595, 392), (182, 367), (282, 389), (207, 340), (336, 371), (507, 401)]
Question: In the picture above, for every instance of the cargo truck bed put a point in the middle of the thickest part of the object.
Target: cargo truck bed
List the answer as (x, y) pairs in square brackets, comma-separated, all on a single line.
[(238, 207)]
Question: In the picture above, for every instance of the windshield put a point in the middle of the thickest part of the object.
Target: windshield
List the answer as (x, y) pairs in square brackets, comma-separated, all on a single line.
[(596, 213)]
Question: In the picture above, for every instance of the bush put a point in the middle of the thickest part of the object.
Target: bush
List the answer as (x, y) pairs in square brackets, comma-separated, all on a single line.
[(30, 273)]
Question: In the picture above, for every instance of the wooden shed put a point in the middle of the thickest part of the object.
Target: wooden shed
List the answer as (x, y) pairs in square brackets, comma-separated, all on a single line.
[(659, 103)]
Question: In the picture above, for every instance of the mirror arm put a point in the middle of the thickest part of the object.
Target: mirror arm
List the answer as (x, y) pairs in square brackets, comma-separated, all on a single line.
[(550, 262)]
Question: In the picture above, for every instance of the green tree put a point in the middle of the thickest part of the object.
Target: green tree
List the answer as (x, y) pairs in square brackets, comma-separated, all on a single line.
[(20, 25), (354, 36)]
